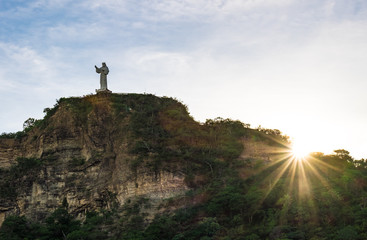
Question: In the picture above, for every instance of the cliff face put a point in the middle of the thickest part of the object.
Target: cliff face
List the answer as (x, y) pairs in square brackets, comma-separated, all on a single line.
[(10, 149), (83, 152)]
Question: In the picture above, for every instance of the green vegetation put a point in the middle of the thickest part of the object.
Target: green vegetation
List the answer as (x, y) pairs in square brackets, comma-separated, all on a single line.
[(59, 225), (20, 175), (17, 135), (80, 107), (76, 162), (321, 198)]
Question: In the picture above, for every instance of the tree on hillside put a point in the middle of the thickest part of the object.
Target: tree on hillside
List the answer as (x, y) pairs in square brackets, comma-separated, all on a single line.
[(343, 154)]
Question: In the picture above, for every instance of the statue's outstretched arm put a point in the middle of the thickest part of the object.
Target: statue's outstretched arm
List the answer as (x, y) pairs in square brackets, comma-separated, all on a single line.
[(98, 70)]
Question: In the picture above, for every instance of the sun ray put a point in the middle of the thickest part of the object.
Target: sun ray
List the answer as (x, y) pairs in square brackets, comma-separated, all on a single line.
[(297, 174), (325, 164), (284, 155), (293, 174), (294, 178), (275, 180), (318, 175), (304, 187), (324, 182), (305, 193)]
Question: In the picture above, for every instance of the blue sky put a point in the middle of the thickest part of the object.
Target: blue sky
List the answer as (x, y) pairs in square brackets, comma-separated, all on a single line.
[(294, 65)]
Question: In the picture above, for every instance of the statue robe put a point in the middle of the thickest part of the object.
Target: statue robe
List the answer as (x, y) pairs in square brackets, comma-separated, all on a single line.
[(103, 71)]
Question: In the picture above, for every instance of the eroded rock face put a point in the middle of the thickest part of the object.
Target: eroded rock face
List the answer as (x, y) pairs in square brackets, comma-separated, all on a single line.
[(9, 151), (85, 160)]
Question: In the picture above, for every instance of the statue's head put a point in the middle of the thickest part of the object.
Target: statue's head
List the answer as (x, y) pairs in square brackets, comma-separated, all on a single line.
[(103, 64)]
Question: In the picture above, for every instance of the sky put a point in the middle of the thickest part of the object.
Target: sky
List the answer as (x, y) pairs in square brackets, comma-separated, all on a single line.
[(299, 66)]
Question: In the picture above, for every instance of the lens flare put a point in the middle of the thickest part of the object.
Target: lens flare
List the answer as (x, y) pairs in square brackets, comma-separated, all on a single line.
[(295, 174), (300, 150)]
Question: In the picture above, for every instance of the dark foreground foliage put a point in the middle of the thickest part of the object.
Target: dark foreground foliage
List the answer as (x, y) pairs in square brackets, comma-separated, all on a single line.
[(325, 198), (60, 225)]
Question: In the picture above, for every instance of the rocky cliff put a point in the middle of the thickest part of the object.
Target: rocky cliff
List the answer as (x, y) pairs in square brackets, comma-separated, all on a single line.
[(83, 147)]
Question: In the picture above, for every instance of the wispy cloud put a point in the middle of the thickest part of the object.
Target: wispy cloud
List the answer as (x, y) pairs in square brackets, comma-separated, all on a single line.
[(23, 63)]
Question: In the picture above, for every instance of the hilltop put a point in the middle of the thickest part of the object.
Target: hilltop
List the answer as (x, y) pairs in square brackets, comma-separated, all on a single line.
[(138, 166)]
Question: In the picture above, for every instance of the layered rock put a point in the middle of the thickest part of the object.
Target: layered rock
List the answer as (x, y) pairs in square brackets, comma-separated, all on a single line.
[(10, 150)]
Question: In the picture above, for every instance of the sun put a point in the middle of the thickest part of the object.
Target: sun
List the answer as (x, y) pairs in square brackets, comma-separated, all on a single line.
[(300, 150)]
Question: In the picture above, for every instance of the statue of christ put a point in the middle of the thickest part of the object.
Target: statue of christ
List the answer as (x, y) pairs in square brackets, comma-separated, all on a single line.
[(103, 71)]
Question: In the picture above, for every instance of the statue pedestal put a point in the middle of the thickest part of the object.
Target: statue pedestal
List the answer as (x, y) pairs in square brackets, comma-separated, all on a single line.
[(103, 91)]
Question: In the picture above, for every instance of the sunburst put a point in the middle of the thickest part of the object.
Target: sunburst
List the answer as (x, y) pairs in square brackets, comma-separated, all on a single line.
[(300, 151), (297, 169)]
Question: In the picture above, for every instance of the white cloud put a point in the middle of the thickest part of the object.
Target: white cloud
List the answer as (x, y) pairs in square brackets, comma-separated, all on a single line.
[(205, 11), (77, 32), (112, 5), (23, 63), (149, 60), (28, 8)]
